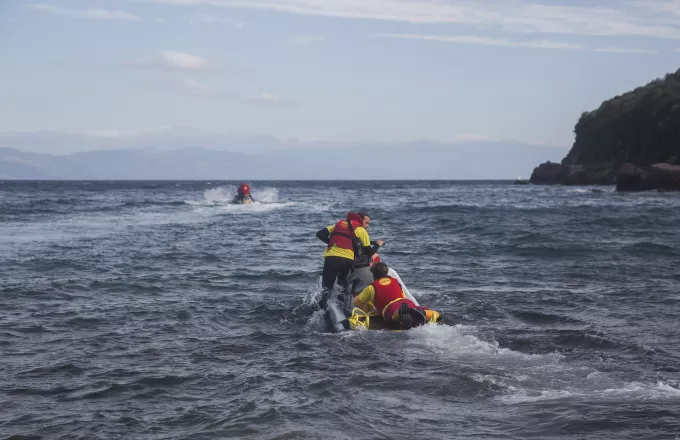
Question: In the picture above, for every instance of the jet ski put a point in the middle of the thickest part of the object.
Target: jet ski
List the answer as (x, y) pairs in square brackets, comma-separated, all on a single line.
[(341, 315), (246, 200)]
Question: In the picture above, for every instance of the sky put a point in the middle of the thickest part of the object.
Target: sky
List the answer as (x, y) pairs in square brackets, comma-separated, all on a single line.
[(335, 70)]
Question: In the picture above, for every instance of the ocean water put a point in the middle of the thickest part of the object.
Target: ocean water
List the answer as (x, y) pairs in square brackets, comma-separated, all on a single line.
[(157, 310)]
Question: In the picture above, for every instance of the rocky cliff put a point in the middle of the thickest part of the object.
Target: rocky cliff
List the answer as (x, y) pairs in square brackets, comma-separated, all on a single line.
[(631, 140)]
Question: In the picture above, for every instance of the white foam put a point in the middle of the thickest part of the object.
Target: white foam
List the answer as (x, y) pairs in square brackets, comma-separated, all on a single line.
[(225, 195), (220, 200), (417, 293), (596, 375), (221, 194), (89, 225), (312, 296), (393, 273), (489, 378), (424, 293), (266, 195), (524, 396), (459, 342), (254, 208), (644, 391), (629, 392), (316, 322), (350, 335)]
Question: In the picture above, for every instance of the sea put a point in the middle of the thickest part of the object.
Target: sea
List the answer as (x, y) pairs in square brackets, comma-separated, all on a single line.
[(159, 310)]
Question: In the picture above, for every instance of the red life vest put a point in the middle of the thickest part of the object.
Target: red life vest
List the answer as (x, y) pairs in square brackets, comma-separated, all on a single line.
[(244, 190), (343, 235), (387, 291)]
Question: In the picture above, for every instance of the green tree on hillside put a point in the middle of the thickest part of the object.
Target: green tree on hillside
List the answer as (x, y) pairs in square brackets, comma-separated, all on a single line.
[(641, 126)]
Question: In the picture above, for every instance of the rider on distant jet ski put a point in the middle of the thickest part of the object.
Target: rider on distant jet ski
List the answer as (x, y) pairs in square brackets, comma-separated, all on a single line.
[(243, 192)]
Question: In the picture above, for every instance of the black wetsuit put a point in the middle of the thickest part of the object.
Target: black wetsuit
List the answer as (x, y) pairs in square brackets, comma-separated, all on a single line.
[(335, 268)]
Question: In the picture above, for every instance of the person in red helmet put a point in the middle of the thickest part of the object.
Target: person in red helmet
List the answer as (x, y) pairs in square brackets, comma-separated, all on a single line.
[(243, 192), (346, 240)]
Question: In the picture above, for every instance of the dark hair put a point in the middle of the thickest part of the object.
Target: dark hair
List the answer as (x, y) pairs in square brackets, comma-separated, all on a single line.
[(363, 214), (379, 270)]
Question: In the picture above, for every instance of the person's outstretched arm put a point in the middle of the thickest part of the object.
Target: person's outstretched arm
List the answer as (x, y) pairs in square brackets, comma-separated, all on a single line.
[(325, 234)]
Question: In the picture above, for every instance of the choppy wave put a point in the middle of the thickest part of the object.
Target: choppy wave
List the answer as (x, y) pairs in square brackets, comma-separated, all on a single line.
[(221, 198), (161, 310), (225, 194), (628, 393)]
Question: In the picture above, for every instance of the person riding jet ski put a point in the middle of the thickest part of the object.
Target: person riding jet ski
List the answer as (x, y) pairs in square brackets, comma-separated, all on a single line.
[(345, 239), (243, 194), (387, 296)]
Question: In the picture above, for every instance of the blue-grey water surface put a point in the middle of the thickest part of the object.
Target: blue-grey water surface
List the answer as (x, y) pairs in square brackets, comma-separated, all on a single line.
[(157, 310)]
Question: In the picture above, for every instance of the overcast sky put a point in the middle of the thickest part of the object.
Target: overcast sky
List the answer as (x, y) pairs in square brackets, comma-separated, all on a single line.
[(388, 70)]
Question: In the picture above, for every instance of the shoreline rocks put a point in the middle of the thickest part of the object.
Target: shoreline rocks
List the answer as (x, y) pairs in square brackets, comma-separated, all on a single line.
[(631, 141), (628, 178), (660, 177), (551, 173)]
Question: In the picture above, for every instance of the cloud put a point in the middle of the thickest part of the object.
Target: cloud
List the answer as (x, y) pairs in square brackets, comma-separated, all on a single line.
[(486, 41), (194, 86), (172, 61), (175, 71), (658, 6), (623, 50), (212, 19), (520, 16), (269, 100), (178, 82), (304, 40), (91, 14), (209, 19), (182, 60), (186, 73), (198, 89)]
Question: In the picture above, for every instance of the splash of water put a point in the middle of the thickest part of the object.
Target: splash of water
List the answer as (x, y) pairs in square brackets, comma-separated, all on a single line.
[(266, 195), (627, 392), (223, 195)]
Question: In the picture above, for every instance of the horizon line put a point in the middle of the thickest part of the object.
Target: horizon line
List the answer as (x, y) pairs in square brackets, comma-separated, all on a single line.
[(11, 179)]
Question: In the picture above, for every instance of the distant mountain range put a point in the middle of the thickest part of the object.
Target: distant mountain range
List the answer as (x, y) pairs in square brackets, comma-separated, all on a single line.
[(415, 160)]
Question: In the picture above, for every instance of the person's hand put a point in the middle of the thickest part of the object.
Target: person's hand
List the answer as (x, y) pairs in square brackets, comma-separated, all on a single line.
[(379, 242)]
